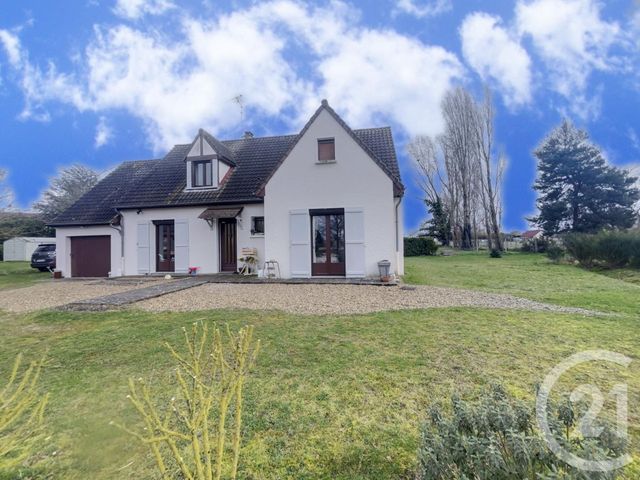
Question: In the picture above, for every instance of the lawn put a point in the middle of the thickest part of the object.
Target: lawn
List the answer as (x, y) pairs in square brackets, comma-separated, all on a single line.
[(19, 274), (531, 276), (331, 396)]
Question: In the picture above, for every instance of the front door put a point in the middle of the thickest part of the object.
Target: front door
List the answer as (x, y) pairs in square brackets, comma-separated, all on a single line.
[(165, 246), (327, 242), (228, 262)]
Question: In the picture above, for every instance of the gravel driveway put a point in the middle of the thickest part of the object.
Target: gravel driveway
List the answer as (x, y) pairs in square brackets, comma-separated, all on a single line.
[(336, 299), (54, 293)]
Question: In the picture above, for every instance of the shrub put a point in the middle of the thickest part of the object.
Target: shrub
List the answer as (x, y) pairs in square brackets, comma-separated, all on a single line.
[(614, 249), (555, 253), (419, 246), (21, 414), (495, 253), (496, 439), (582, 247), (187, 438)]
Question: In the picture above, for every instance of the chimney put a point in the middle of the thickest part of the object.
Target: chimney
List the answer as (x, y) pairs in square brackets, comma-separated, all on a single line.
[(248, 134)]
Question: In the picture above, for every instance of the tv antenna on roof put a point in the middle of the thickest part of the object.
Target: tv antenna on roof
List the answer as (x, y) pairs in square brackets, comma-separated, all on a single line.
[(239, 99)]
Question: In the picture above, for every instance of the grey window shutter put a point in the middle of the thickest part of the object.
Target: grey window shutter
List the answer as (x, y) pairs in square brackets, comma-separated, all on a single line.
[(354, 242), (143, 248), (182, 245), (299, 243)]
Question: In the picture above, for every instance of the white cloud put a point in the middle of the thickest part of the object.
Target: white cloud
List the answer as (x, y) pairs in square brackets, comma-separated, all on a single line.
[(425, 8), (493, 52), (134, 9), (572, 40), (283, 56), (11, 45), (104, 134)]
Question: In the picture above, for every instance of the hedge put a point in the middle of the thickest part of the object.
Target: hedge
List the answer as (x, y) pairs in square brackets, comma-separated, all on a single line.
[(611, 249), (419, 246)]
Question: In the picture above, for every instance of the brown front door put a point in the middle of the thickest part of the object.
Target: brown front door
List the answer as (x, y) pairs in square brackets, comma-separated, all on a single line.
[(90, 256), (327, 242), (228, 245), (165, 246)]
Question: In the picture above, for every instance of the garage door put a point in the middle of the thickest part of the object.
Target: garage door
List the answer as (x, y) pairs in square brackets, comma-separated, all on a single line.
[(90, 256)]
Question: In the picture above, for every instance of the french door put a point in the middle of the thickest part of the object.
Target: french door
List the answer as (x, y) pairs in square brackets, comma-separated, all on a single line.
[(327, 242), (165, 246)]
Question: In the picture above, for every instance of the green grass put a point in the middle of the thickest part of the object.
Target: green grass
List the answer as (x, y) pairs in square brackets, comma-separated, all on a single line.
[(19, 274), (531, 276), (338, 397)]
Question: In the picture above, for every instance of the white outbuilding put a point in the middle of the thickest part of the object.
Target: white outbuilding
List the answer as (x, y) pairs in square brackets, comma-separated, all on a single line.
[(19, 249)]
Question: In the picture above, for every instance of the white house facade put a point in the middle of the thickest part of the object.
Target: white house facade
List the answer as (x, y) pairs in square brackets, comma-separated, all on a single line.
[(324, 202)]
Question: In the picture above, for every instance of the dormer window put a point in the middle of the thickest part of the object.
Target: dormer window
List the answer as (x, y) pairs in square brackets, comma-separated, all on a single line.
[(326, 150), (201, 173)]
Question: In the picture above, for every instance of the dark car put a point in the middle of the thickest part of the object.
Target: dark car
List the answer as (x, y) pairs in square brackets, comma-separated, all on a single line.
[(44, 257)]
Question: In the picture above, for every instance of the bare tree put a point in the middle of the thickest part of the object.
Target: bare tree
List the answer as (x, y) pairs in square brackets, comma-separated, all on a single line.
[(491, 169), (65, 190), (6, 194), (462, 170)]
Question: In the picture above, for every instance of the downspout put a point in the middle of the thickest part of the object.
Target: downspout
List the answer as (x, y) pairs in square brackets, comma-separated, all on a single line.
[(120, 230), (397, 225)]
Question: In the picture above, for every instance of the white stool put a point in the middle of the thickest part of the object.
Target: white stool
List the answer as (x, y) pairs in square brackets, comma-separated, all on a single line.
[(271, 269)]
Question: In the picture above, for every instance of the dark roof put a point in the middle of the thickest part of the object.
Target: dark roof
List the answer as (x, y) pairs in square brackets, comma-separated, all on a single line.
[(96, 207), (162, 183)]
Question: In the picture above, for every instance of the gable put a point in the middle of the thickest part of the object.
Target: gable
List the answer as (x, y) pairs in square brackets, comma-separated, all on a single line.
[(200, 147), (377, 140)]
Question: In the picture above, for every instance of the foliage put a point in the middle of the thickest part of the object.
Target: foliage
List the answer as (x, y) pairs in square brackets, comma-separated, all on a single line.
[(439, 225), (21, 414), (496, 439), (65, 189), (20, 224), (578, 191), (610, 249), (190, 435), (495, 253), (418, 246), (555, 253)]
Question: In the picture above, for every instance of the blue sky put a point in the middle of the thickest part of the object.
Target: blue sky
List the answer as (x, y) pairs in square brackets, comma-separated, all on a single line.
[(102, 81)]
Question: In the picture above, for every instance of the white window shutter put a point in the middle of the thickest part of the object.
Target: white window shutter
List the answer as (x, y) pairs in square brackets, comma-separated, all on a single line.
[(354, 242), (143, 248), (182, 245), (299, 246)]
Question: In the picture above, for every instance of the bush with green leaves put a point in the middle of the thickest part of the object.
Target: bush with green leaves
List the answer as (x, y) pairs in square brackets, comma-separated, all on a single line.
[(537, 245), (419, 246), (496, 438), (611, 249), (555, 253), (495, 253)]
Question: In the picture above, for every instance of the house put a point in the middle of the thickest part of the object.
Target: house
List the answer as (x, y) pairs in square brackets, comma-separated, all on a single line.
[(532, 235), (324, 202), (20, 249)]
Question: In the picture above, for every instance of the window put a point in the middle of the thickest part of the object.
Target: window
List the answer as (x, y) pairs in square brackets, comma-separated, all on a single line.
[(201, 173), (326, 149), (257, 225)]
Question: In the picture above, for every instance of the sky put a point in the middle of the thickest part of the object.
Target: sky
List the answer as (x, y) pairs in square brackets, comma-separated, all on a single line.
[(98, 82)]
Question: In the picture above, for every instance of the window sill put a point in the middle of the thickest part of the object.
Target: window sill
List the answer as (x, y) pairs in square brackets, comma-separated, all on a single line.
[(191, 189), (256, 235), (325, 162)]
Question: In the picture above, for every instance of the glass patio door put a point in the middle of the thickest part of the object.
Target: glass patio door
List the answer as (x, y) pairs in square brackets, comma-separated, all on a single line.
[(327, 242)]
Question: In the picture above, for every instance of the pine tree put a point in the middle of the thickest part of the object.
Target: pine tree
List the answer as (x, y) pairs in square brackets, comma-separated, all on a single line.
[(578, 191), (439, 225)]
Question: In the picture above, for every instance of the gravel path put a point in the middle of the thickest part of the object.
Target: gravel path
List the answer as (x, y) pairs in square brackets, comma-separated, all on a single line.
[(337, 299), (55, 293)]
